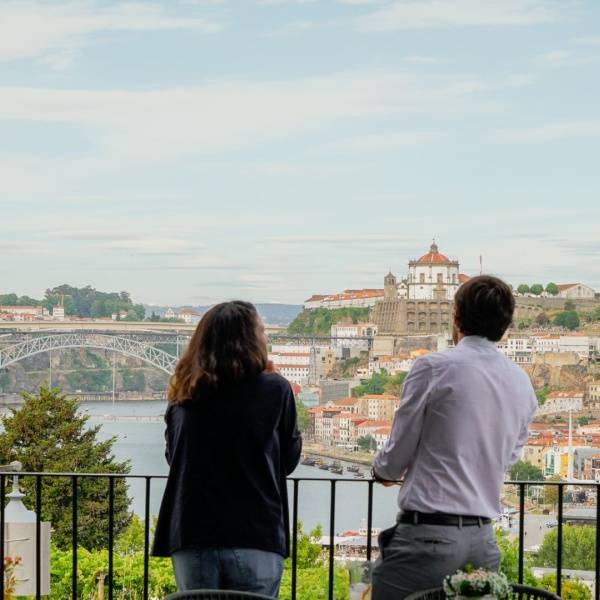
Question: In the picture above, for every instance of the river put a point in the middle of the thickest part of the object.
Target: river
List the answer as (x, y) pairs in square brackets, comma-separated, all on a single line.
[(143, 444)]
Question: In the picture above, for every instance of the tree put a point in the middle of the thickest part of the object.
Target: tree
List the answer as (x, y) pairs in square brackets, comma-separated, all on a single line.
[(509, 560), (523, 289), (524, 471), (303, 416), (570, 305), (319, 321), (551, 492), (583, 421), (375, 385), (313, 572), (568, 319), (48, 434), (542, 394), (367, 443), (537, 289), (542, 319), (394, 385), (578, 548), (571, 589), (552, 289)]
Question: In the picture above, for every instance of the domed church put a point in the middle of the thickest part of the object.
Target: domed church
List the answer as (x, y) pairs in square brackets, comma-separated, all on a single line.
[(433, 277), (421, 304)]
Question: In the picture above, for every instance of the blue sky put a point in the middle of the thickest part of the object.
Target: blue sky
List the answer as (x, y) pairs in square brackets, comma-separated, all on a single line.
[(197, 150)]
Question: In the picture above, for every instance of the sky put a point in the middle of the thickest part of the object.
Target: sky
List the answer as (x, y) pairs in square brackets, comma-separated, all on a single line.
[(193, 151)]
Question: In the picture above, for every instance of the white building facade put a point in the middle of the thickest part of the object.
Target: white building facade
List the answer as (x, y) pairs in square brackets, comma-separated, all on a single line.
[(433, 277)]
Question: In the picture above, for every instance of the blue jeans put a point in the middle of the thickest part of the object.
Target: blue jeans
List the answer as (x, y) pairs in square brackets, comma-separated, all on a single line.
[(240, 569)]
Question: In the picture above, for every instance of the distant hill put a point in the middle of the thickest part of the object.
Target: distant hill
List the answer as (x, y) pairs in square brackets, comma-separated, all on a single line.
[(271, 313)]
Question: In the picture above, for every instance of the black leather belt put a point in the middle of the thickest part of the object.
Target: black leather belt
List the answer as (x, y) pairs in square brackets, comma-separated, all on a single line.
[(417, 518)]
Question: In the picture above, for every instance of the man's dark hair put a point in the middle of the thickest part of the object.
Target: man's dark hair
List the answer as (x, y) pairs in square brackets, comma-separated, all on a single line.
[(484, 306)]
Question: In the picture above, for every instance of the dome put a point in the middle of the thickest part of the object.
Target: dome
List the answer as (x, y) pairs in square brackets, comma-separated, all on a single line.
[(433, 257)]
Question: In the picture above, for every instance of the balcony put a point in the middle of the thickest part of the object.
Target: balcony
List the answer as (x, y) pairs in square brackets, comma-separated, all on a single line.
[(519, 491)]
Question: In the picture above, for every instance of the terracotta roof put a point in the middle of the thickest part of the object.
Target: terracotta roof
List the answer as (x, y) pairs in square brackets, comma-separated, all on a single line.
[(434, 257), (374, 423), (566, 286), (384, 430), (380, 397), (553, 395), (462, 278), (347, 402)]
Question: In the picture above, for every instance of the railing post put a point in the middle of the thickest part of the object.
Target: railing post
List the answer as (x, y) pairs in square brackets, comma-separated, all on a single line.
[(295, 540), (597, 561), (146, 537), (111, 534), (559, 540), (38, 530), (2, 500), (74, 537), (521, 529), (370, 520), (331, 539)]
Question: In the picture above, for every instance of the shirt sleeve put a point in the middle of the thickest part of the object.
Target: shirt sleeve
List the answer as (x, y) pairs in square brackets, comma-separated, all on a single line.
[(398, 452), (523, 434), (290, 438)]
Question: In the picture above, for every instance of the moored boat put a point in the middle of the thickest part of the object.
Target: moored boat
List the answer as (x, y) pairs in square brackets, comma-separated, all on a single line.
[(352, 469), (308, 461)]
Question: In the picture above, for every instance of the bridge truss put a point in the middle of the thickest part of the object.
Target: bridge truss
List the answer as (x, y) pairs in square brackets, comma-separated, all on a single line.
[(123, 345)]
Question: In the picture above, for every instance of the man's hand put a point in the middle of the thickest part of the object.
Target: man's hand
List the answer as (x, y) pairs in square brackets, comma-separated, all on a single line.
[(383, 482)]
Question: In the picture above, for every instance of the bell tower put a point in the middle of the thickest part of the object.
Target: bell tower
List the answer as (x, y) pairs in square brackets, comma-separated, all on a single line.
[(390, 287)]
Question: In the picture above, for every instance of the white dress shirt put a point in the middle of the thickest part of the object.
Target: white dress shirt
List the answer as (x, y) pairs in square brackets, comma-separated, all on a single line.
[(463, 420)]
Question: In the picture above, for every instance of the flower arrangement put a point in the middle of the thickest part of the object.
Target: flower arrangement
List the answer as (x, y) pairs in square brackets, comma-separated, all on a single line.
[(473, 583), (10, 581)]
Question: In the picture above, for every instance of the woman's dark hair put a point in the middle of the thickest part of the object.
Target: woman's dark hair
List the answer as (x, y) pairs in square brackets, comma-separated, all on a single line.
[(484, 306), (226, 348)]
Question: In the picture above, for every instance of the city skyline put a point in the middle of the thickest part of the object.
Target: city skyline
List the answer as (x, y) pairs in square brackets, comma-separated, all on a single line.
[(195, 151)]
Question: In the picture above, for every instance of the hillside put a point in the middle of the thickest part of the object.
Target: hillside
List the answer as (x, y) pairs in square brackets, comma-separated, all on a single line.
[(320, 320), (271, 313)]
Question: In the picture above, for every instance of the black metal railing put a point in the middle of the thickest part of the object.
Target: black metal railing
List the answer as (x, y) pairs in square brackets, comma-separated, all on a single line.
[(77, 478)]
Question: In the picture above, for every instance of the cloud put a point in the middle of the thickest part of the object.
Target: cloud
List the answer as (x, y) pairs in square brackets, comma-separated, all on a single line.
[(565, 58), (356, 239), (54, 31), (424, 60), (588, 41), (416, 14), (556, 56), (549, 133), (385, 142), (240, 114)]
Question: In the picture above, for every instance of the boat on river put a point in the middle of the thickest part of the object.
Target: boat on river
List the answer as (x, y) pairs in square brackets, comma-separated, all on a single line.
[(308, 461), (353, 469)]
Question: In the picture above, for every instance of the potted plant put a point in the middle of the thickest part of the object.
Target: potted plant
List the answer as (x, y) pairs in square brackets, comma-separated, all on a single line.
[(477, 583)]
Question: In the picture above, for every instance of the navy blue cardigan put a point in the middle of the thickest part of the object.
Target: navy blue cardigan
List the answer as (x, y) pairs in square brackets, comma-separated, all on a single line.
[(229, 453)]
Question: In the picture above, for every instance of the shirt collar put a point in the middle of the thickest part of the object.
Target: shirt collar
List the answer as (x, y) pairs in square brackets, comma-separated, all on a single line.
[(477, 341)]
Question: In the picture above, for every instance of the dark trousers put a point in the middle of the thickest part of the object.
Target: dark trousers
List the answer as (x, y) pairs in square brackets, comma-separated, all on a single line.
[(419, 557)]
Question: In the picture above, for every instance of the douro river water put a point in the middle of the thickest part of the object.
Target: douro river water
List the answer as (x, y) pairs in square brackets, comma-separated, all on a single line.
[(143, 444)]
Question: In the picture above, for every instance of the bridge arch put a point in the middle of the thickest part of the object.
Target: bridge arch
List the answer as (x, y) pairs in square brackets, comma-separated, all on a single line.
[(37, 345)]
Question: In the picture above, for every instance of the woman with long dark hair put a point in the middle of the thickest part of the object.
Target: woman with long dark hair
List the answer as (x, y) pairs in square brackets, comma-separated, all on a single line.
[(232, 438)]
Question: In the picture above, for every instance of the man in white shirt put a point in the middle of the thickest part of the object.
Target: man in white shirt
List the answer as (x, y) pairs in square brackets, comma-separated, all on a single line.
[(462, 421)]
